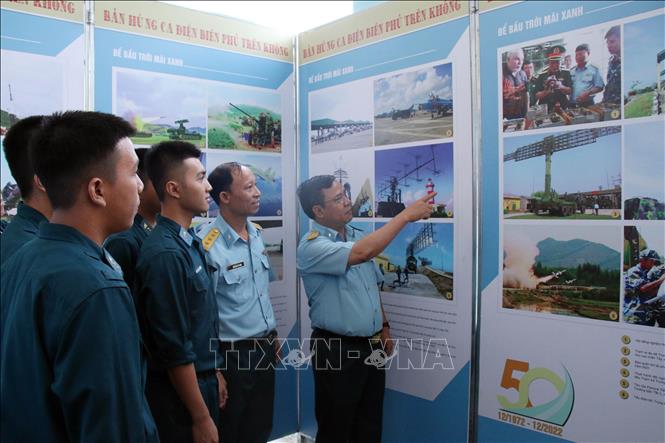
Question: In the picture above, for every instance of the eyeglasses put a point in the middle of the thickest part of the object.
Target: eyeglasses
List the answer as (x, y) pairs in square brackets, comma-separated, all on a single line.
[(339, 198)]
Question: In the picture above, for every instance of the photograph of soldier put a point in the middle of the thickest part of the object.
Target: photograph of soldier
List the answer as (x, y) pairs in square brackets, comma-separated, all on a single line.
[(586, 78), (554, 86), (644, 163), (515, 97), (565, 80), (612, 92), (644, 276), (644, 67)]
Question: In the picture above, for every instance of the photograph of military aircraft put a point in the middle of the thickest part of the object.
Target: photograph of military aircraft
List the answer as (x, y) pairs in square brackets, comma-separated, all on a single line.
[(414, 106)]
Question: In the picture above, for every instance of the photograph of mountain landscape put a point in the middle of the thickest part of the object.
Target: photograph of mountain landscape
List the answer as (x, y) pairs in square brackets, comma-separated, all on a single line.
[(248, 119), (562, 270), (157, 116)]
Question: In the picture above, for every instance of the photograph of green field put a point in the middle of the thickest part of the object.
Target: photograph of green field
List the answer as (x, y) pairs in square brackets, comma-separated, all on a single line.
[(246, 119), (179, 115), (562, 270)]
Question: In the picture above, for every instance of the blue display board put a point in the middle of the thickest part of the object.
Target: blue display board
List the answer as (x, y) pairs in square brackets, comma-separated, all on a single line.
[(572, 194), (385, 96)]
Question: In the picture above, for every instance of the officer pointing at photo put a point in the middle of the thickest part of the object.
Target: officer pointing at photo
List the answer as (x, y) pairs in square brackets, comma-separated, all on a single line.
[(340, 279)]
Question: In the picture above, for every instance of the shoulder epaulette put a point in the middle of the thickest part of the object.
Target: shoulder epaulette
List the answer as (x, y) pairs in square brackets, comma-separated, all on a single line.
[(258, 226), (210, 238), (312, 235)]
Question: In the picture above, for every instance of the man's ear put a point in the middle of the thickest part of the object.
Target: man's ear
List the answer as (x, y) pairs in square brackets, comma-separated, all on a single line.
[(172, 188), (224, 198), (38, 183), (95, 191), (318, 211)]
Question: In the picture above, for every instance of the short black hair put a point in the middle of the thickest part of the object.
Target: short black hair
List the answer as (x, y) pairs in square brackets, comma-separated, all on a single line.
[(221, 179), (526, 62), (71, 147), (583, 47), (162, 158), (17, 153), (141, 171), (310, 195), (613, 31)]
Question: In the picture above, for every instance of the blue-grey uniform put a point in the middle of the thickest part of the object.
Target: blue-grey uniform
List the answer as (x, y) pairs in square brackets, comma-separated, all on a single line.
[(583, 80), (246, 325), (345, 312), (72, 367), (342, 299), (23, 228), (177, 311), (125, 246)]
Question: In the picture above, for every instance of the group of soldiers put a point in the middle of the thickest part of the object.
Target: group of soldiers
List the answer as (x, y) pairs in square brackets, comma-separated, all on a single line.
[(559, 87), (121, 323)]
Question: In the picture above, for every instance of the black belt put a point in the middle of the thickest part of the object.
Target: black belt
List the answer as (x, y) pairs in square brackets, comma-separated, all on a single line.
[(248, 342), (322, 333)]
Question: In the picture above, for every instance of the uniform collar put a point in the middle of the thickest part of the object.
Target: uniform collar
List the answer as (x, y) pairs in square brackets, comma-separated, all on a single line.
[(140, 222), (331, 233), (51, 231), (176, 229), (29, 213), (229, 234)]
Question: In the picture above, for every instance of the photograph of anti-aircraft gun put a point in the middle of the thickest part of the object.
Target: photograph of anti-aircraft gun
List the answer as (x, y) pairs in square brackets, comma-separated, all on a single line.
[(405, 174), (582, 183), (562, 270), (245, 119), (414, 106)]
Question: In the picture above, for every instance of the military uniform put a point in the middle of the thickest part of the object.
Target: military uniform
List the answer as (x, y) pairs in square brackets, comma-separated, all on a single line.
[(556, 96), (641, 313), (612, 93), (246, 327), (176, 307), (584, 79), (346, 316), (23, 228), (72, 368), (125, 246)]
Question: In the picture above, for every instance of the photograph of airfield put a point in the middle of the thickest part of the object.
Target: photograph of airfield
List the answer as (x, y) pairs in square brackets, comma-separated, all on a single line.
[(354, 169), (273, 240), (248, 119), (564, 175), (419, 261), (644, 170), (340, 117), (562, 270), (179, 114), (643, 64), (644, 295), (414, 106), (403, 175), (268, 172)]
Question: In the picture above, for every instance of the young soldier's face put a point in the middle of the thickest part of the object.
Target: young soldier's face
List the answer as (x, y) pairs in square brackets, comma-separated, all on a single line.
[(244, 197), (123, 198), (195, 186)]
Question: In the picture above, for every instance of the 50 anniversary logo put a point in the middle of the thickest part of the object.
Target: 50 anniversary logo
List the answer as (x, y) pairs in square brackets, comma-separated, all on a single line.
[(556, 411)]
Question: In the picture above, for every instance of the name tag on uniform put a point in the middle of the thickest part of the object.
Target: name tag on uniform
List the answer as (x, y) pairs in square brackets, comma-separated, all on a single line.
[(235, 266)]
